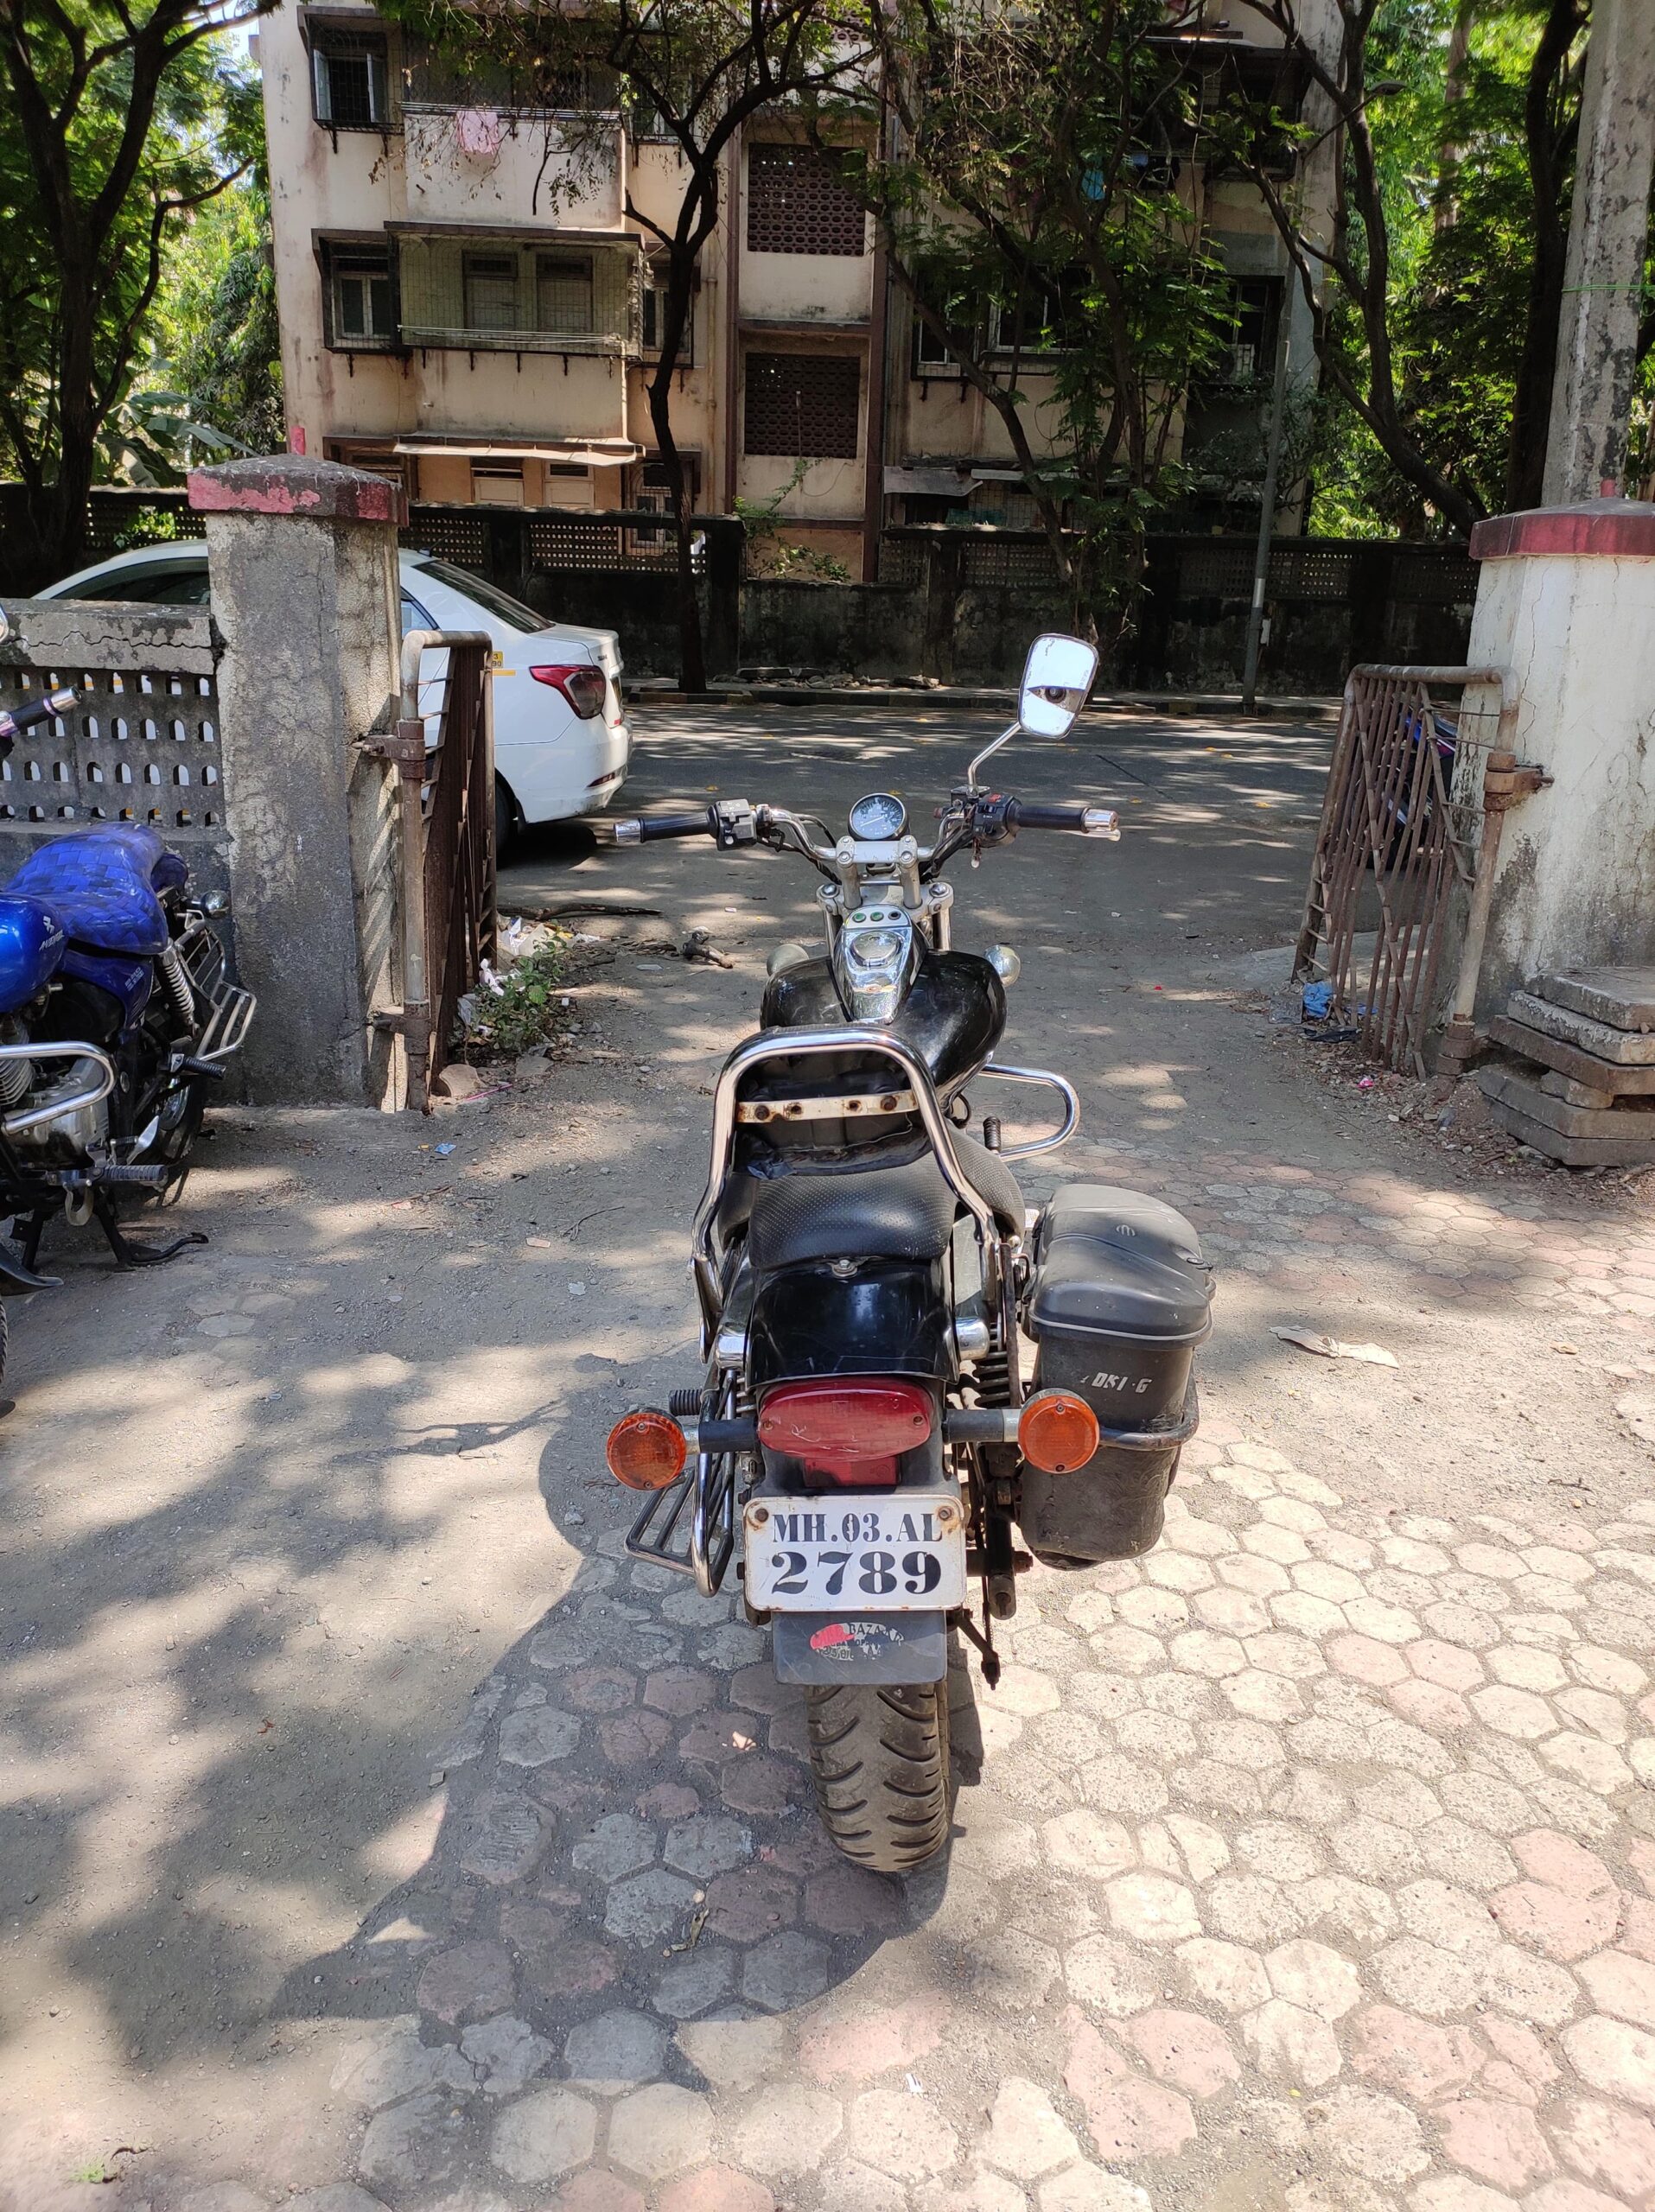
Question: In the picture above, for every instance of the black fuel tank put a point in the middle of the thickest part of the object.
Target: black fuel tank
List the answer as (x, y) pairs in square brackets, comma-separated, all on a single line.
[(952, 1016)]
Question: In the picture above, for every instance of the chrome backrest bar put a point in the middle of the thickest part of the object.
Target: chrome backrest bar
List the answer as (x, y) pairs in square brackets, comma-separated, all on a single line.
[(814, 1044), (1061, 1084), (13, 1125)]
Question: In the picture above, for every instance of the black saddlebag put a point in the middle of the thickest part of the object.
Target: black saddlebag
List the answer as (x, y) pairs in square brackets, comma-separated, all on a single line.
[(1120, 1299)]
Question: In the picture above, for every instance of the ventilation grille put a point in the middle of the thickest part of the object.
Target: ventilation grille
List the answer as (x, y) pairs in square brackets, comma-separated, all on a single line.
[(797, 202)]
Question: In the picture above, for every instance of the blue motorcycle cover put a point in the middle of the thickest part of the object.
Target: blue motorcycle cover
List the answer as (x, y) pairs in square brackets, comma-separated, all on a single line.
[(31, 950), (100, 885)]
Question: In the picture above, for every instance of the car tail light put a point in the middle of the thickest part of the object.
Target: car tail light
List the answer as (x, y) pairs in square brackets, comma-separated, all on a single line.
[(581, 683), (846, 1431), (647, 1450), (1057, 1432)]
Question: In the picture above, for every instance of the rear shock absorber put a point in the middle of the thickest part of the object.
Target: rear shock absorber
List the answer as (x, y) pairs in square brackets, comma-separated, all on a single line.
[(179, 987), (16, 1075)]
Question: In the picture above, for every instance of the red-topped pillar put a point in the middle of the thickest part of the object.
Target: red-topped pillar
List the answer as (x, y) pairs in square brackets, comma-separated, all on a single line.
[(1566, 603)]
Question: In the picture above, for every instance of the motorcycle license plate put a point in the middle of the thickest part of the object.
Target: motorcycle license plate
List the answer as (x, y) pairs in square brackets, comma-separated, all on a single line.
[(896, 1554)]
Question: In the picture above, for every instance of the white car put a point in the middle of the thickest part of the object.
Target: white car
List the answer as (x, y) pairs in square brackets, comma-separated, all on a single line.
[(562, 746)]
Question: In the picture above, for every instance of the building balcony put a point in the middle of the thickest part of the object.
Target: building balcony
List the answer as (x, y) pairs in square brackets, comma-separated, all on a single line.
[(509, 289)]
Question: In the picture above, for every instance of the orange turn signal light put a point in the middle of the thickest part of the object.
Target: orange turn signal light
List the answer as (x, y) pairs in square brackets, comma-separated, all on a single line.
[(1057, 1432), (647, 1450)]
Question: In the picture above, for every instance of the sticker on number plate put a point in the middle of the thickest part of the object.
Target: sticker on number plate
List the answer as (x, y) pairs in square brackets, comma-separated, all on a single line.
[(900, 1552)]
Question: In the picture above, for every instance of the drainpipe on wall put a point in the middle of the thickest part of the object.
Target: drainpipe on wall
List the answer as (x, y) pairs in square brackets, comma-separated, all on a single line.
[(879, 319), (732, 317)]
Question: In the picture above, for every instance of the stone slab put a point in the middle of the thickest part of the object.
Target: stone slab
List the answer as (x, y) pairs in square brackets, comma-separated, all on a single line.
[(1498, 1080), (1625, 1047), (1588, 1069), (1577, 1094), (1624, 997), (1572, 1152)]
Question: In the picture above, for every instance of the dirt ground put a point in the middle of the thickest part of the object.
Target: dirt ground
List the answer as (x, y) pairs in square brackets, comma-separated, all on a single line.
[(357, 1801)]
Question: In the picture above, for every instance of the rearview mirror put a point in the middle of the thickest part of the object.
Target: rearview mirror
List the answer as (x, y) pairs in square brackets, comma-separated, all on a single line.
[(5, 626), (1057, 677)]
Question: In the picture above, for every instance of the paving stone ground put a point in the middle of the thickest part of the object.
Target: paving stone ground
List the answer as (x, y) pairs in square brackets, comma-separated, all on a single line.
[(1309, 1860)]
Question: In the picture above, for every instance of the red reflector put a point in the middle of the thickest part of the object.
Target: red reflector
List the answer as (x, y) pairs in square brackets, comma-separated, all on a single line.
[(581, 683), (846, 1431)]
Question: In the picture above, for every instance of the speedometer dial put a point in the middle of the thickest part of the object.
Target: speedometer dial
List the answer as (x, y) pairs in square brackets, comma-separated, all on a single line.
[(880, 816)]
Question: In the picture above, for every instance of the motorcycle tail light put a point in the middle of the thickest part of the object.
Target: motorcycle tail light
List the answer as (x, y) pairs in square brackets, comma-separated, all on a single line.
[(848, 1431), (1057, 1432), (647, 1450), (581, 683)]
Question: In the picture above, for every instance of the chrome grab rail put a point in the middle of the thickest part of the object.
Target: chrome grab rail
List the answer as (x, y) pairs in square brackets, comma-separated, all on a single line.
[(14, 1125), (814, 1044), (1058, 1083)]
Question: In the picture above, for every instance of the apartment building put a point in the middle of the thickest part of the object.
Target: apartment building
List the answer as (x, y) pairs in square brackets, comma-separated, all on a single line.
[(465, 305)]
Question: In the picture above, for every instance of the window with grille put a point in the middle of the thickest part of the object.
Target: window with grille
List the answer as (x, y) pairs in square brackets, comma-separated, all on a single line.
[(931, 356), (803, 404), (653, 317), (348, 79), (1044, 320), (798, 202), (563, 292), (490, 282), (359, 292)]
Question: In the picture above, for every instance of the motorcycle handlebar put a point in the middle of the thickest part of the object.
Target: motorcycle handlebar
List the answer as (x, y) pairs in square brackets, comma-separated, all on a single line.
[(43, 710), (647, 828), (1089, 821)]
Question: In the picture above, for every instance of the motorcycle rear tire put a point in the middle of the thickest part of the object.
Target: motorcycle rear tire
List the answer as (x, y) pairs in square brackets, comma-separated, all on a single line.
[(880, 1759)]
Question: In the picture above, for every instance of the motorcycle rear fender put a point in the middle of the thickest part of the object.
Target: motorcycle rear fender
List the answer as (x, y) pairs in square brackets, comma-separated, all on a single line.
[(880, 1317)]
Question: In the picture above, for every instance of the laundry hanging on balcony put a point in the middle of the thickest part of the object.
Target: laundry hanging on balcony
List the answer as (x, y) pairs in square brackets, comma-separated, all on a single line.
[(478, 129)]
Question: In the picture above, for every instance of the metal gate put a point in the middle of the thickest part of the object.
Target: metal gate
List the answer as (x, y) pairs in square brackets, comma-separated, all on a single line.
[(450, 920), (1416, 766)]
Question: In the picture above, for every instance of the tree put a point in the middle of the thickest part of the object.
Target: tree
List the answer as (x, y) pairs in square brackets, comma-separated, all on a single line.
[(1436, 298), (215, 325), (698, 71), (1032, 185), (107, 140)]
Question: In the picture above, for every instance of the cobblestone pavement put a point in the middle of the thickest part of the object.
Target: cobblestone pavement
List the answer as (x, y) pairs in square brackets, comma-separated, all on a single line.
[(1309, 1861)]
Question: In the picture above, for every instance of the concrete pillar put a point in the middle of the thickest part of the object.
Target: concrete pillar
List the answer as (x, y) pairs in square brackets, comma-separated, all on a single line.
[(305, 592), (1608, 231), (1566, 603)]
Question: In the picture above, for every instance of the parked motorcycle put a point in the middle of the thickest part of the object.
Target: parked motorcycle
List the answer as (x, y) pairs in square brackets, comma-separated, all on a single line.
[(866, 1270), (116, 1016)]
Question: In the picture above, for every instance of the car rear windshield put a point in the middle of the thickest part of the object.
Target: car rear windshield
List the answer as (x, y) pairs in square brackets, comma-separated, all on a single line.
[(509, 610)]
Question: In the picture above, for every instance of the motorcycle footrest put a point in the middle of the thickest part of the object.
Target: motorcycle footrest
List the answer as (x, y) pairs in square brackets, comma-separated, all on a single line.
[(146, 1179)]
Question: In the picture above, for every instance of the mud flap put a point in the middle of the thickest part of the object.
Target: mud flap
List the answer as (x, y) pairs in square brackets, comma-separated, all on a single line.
[(859, 1647)]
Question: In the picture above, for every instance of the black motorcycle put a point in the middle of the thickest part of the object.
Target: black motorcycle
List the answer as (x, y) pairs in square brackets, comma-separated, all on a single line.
[(866, 1271), (116, 1017)]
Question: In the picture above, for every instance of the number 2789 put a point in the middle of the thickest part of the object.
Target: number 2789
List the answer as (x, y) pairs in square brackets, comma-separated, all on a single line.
[(874, 1574)]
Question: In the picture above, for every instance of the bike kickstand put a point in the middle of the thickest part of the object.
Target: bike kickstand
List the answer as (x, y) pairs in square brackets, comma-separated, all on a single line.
[(128, 1255)]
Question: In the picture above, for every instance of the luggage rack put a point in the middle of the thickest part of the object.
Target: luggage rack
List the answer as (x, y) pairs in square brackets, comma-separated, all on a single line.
[(702, 1542), (232, 1010)]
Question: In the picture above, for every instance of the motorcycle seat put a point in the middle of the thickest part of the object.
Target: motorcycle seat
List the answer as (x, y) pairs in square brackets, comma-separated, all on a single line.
[(879, 1213), (100, 884)]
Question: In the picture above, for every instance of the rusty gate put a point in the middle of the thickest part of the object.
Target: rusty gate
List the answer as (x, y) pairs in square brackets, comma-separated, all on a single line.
[(448, 915), (1417, 778)]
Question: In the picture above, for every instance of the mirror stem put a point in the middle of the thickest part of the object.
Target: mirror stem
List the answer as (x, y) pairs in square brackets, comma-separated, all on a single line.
[(1004, 737)]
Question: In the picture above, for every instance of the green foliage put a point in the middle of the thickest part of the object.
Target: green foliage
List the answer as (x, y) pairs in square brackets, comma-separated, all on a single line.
[(115, 124), (769, 553), (525, 1013)]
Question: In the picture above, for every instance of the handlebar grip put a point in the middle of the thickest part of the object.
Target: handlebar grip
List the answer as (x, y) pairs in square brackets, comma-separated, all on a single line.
[(43, 710), (649, 828), (1091, 821)]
